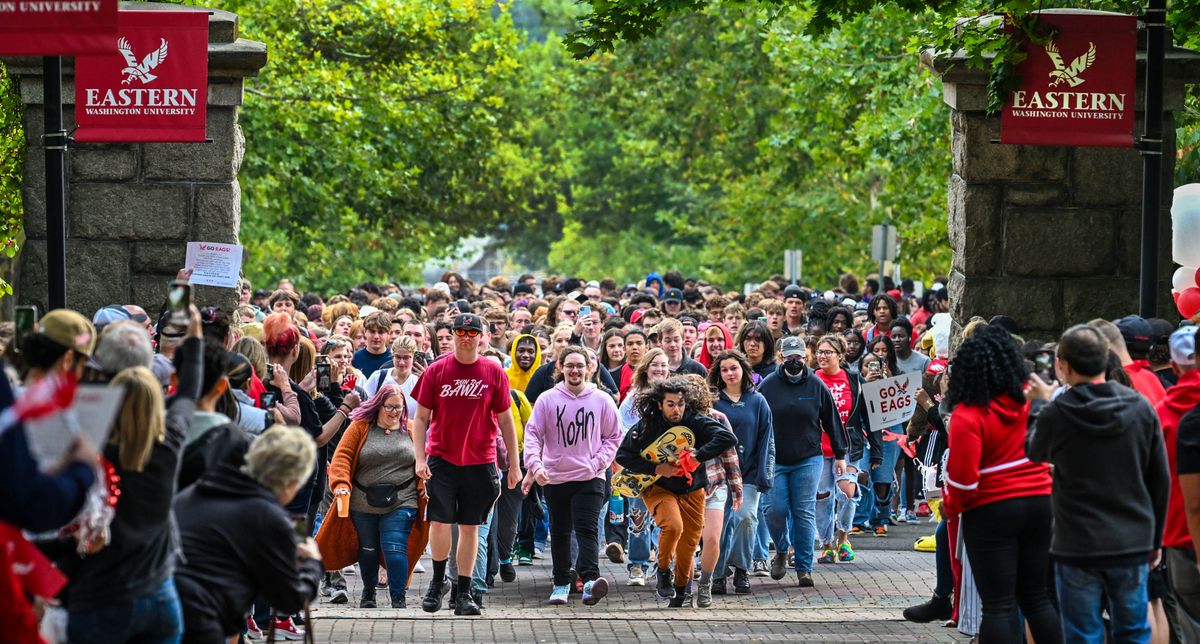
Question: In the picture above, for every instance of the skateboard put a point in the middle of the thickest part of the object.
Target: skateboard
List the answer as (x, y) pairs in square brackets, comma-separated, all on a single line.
[(665, 449)]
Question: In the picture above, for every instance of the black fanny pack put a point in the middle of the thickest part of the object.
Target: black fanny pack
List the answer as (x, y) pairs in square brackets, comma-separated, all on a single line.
[(382, 495)]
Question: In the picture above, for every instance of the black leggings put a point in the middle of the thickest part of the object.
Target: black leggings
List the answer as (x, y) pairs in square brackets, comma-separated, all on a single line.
[(1009, 546), (575, 507)]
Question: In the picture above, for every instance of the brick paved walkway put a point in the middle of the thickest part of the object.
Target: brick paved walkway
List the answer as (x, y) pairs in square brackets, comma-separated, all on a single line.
[(856, 602)]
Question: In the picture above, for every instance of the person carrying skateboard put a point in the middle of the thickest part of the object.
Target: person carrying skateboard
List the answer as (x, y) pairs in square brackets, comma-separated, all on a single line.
[(676, 498)]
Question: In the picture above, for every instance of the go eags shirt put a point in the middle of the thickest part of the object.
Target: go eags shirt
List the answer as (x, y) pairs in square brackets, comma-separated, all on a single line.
[(463, 400)]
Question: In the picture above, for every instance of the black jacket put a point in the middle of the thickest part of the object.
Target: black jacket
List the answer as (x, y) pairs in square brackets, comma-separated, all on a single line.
[(801, 410), (543, 380), (711, 440), (1111, 477), (238, 543), (141, 553)]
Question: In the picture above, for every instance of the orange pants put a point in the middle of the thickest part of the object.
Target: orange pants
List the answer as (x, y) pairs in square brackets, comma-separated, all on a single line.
[(680, 520)]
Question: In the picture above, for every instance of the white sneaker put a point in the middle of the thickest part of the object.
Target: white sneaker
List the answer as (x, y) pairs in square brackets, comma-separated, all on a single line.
[(419, 567), (637, 577), (349, 570), (558, 597)]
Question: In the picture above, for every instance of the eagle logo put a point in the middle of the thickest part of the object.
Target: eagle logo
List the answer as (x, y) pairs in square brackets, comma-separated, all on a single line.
[(1070, 74), (141, 71)]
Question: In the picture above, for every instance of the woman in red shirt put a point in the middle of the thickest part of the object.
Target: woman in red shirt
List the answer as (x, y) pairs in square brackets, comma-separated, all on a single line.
[(1003, 497)]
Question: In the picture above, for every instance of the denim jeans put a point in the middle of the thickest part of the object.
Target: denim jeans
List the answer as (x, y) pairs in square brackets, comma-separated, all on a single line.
[(641, 532), (388, 532), (739, 532), (835, 510), (153, 618), (762, 535), (1083, 593), (794, 495)]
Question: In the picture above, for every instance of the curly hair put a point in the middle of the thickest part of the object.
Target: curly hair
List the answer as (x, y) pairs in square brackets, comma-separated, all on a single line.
[(987, 365), (699, 397), (647, 404)]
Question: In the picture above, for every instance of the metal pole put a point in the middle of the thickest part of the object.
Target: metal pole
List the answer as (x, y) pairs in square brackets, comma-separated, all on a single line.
[(55, 143), (1152, 150)]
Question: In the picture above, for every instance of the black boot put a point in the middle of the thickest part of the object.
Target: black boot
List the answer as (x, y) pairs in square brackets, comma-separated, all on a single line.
[(718, 586), (665, 589), (508, 574), (937, 608), (398, 601), (368, 598), (477, 595), (433, 599), (741, 581), (453, 595), (683, 597)]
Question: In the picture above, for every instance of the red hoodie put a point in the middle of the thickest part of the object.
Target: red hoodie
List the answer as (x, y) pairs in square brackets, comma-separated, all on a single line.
[(987, 461), (706, 358), (1145, 381), (1179, 400)]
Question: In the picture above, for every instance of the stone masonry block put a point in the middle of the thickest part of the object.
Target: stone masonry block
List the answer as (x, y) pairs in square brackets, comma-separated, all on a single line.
[(215, 161), (102, 163), (977, 159), (1035, 194), (975, 226), (1059, 242), (1106, 177), (33, 195), (218, 214), (1033, 303), (158, 257), (149, 290), (1108, 298), (129, 211)]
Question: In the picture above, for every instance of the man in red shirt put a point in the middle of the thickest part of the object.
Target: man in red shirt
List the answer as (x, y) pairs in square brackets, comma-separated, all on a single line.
[(462, 402), (1181, 432), (1129, 338)]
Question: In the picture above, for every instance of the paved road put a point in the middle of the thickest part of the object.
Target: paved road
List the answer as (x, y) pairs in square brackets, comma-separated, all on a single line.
[(855, 602)]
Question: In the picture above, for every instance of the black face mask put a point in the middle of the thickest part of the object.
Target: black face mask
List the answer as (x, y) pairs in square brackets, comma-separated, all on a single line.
[(793, 366)]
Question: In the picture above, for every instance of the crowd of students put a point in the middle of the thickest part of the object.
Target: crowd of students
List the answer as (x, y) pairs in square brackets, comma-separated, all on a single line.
[(261, 454)]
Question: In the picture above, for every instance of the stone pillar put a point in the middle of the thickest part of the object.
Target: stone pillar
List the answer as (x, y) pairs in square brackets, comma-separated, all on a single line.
[(1050, 235), (132, 207)]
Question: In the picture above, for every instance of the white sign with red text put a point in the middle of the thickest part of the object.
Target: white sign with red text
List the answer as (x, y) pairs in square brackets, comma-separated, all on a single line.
[(891, 401), (214, 264)]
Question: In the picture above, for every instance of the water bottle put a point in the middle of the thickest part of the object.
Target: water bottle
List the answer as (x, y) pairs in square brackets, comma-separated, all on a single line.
[(616, 509)]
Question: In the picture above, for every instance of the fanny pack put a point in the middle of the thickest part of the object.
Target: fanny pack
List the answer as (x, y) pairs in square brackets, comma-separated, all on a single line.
[(383, 495)]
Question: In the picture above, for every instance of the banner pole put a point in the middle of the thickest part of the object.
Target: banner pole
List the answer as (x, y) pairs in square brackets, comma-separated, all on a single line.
[(1151, 147), (55, 143)]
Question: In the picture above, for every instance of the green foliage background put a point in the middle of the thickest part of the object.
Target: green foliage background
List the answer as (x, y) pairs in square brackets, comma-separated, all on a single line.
[(702, 136)]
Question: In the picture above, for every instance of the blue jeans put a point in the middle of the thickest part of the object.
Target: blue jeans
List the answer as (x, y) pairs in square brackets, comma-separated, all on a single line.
[(1084, 592), (156, 617), (794, 495), (641, 532), (762, 536), (835, 510), (739, 532), (388, 532)]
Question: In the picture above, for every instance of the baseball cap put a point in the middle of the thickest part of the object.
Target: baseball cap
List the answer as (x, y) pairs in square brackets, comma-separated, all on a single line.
[(108, 315), (673, 295), (793, 291), (636, 316), (1183, 345), (791, 346), (1135, 330), (468, 321), (70, 329)]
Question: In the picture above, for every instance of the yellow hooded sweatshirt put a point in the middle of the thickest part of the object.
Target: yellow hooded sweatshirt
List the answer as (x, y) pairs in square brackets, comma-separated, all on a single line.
[(518, 378)]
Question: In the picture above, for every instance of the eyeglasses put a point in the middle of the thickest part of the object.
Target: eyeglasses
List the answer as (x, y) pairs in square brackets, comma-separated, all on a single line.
[(470, 333), (826, 353), (392, 409), (574, 367)]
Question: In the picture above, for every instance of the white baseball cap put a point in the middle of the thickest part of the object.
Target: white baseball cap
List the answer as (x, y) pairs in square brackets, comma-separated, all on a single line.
[(1183, 345)]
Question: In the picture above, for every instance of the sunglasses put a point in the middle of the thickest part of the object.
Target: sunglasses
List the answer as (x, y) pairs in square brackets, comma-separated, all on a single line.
[(470, 333)]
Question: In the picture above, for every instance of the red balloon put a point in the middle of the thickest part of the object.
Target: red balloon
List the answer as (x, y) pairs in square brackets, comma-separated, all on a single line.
[(1189, 302)]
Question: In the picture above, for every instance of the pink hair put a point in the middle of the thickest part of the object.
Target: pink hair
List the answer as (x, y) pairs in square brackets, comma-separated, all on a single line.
[(369, 411)]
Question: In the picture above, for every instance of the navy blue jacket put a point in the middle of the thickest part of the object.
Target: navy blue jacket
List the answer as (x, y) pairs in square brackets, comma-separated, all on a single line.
[(801, 410), (750, 417)]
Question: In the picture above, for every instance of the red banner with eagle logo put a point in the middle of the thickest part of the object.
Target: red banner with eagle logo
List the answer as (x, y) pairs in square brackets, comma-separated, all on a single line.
[(152, 84), (1079, 87)]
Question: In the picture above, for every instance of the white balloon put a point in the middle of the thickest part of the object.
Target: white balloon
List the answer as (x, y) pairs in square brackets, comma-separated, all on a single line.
[(1187, 189), (1185, 229), (1184, 278)]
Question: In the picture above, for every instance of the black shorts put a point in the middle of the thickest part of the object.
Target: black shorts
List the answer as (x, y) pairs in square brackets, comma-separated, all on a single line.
[(461, 494)]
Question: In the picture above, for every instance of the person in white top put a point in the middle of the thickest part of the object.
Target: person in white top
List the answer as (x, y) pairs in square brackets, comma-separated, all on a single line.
[(404, 350)]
